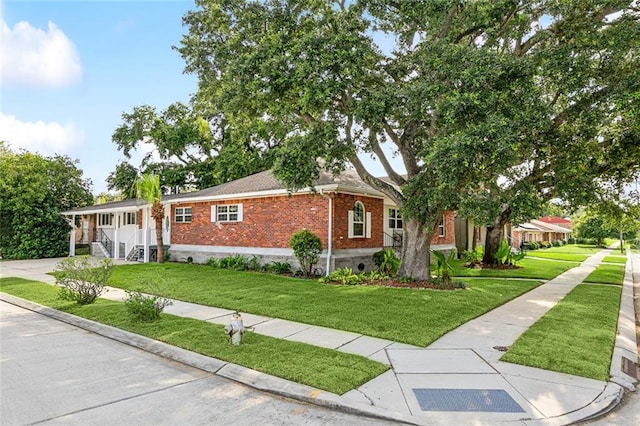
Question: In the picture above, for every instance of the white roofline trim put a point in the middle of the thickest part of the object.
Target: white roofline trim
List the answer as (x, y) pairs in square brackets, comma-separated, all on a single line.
[(277, 192)]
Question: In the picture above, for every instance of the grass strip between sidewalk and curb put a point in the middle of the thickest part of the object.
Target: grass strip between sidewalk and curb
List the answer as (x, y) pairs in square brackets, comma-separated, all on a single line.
[(615, 259), (413, 316), (606, 274), (575, 337), (325, 369)]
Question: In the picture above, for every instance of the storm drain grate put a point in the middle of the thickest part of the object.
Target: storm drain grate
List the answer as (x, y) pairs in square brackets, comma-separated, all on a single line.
[(486, 400)]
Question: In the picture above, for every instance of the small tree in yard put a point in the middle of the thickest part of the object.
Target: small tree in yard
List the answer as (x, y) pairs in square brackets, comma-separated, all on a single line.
[(82, 279), (307, 247), (148, 189), (147, 307)]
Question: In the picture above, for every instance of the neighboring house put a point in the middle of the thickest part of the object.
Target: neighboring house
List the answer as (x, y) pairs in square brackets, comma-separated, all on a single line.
[(468, 235), (256, 216), (548, 230)]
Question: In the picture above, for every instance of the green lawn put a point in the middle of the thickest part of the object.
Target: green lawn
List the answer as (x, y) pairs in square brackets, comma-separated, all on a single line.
[(569, 252), (607, 274), (548, 254), (327, 369), (528, 268), (615, 259), (416, 317), (574, 337)]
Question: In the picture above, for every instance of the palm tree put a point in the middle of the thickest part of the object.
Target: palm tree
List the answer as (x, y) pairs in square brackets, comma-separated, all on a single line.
[(148, 189)]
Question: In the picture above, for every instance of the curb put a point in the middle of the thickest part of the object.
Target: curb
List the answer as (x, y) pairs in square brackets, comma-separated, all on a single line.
[(252, 378)]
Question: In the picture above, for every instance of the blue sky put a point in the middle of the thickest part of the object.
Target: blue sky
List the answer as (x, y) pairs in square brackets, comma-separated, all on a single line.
[(71, 68)]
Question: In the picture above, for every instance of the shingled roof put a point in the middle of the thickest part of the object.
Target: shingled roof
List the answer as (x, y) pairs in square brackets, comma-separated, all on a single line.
[(253, 185), (266, 182)]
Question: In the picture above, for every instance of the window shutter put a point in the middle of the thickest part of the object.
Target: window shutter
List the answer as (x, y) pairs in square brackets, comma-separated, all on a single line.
[(213, 213), (350, 235), (239, 212), (367, 225)]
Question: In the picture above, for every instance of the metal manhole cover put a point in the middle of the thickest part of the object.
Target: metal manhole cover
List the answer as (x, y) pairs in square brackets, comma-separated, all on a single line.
[(630, 368), (484, 400)]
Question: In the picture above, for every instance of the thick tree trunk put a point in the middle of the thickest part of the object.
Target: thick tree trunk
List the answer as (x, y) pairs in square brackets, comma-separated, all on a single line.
[(416, 246), (494, 236)]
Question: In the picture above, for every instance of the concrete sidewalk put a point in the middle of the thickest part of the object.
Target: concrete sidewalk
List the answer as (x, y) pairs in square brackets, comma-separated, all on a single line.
[(458, 379)]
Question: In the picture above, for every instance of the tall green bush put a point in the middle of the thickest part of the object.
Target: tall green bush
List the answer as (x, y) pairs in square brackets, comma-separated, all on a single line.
[(82, 279), (307, 247)]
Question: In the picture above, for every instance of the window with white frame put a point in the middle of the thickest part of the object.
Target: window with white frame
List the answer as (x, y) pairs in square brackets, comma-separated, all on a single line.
[(226, 213), (441, 227), (359, 222), (105, 219), (183, 214), (395, 220), (131, 218)]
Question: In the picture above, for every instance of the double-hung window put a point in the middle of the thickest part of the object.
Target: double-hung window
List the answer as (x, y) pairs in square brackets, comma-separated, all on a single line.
[(226, 213), (183, 214), (105, 219), (359, 222), (131, 218), (441, 227)]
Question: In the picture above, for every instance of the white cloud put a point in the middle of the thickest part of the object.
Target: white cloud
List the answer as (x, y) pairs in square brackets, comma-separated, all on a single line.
[(31, 56), (46, 138)]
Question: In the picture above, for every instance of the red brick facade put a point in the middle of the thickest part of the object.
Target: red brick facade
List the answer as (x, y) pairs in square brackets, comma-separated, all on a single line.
[(267, 222), (270, 222), (342, 203), (449, 231)]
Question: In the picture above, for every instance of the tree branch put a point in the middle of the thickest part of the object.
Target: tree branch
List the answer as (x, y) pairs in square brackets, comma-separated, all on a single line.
[(376, 183), (377, 149)]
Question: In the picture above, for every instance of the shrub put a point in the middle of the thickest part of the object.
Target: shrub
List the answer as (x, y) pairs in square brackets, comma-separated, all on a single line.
[(213, 262), (532, 245), (472, 257), (236, 262), (439, 284), (344, 276), (556, 243), (253, 264), (378, 258), (82, 279), (571, 240), (147, 307), (444, 269), (278, 267), (374, 276), (390, 262), (307, 248)]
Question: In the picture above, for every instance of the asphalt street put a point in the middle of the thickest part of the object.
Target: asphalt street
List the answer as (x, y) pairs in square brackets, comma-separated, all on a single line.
[(55, 373)]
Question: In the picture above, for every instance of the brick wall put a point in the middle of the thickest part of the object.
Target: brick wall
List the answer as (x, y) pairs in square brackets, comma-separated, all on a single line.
[(449, 233), (342, 203), (267, 222)]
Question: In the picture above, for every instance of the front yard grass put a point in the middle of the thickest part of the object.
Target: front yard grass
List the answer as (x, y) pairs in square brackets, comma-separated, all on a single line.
[(615, 259), (326, 369), (411, 316), (527, 268), (575, 337), (606, 274)]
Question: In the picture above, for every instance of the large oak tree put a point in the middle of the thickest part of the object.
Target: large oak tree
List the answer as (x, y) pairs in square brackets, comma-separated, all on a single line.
[(483, 101)]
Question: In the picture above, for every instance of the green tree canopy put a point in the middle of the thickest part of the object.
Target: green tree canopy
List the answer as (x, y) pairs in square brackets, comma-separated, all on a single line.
[(195, 152), (491, 105), (33, 191)]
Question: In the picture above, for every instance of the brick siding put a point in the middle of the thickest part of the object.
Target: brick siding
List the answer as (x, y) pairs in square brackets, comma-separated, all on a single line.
[(267, 222)]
